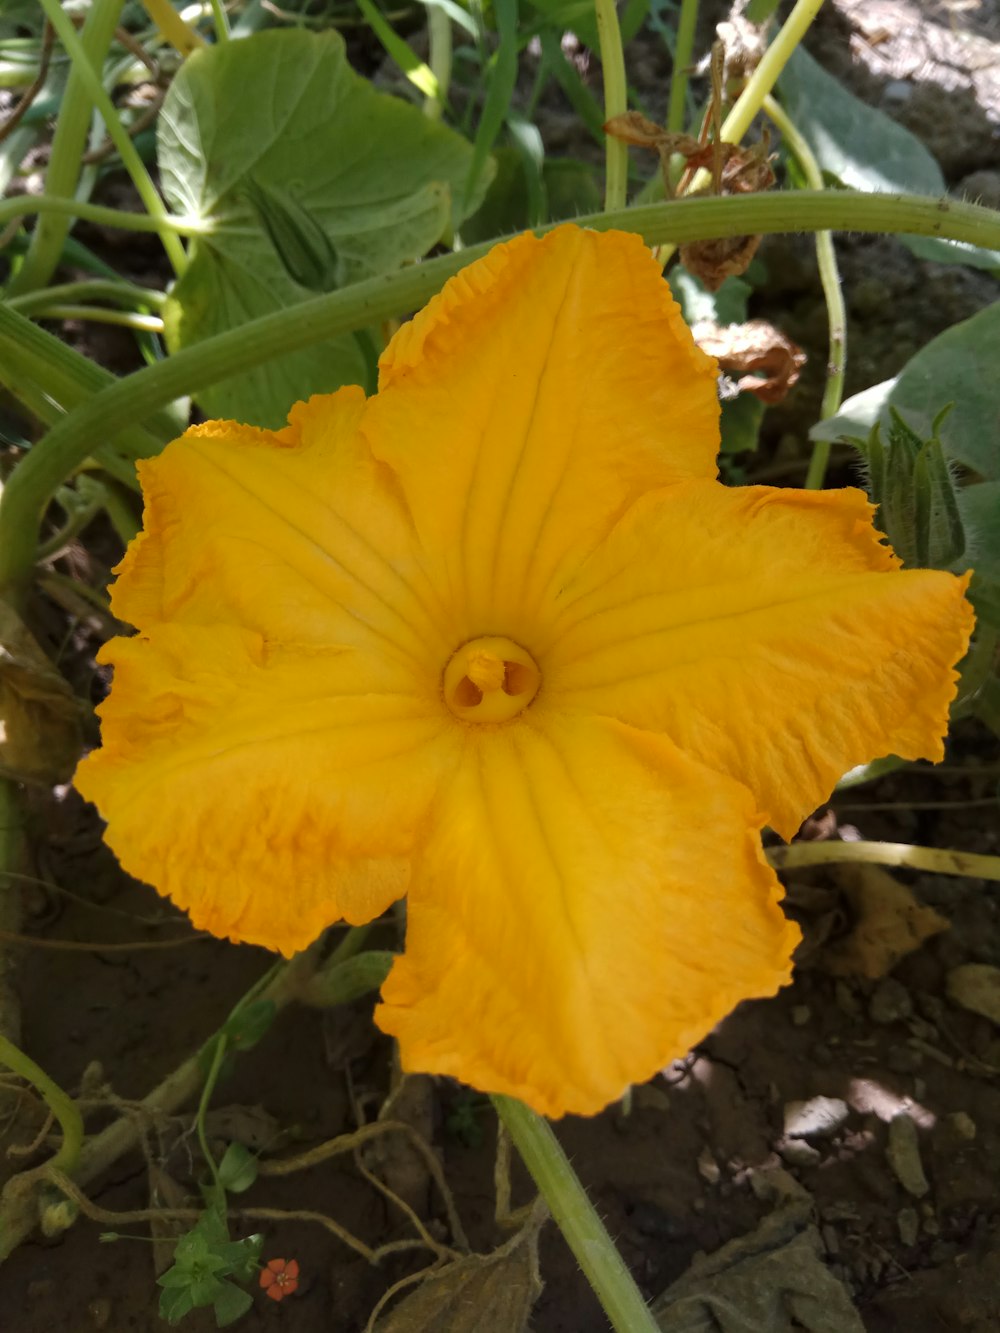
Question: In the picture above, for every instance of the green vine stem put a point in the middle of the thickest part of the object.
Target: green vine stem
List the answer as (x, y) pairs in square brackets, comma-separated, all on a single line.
[(829, 276), (683, 52), (13, 863), (211, 1078), (24, 205), (576, 1218), (59, 1103), (900, 854), (127, 150), (88, 289), (765, 76), (615, 102), (751, 99), (18, 1201), (220, 20), (46, 466), (99, 314), (32, 359), (46, 244), (440, 57)]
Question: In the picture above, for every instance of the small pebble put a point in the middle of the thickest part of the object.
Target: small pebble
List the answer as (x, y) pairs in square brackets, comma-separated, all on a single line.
[(99, 1310), (890, 1002), (897, 91), (796, 1152), (954, 1133), (801, 1014), (847, 1001), (904, 1059), (963, 1125), (943, 1251), (976, 986), (819, 1117), (903, 1156), (908, 1225), (708, 1167)]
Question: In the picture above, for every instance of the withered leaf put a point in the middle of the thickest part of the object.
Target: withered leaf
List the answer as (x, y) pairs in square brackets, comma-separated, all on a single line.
[(475, 1293), (766, 363), (40, 716), (632, 127), (712, 262), (889, 923)]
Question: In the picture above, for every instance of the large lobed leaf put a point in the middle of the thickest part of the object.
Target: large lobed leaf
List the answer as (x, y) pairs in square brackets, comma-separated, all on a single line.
[(283, 111), (958, 367), (864, 149)]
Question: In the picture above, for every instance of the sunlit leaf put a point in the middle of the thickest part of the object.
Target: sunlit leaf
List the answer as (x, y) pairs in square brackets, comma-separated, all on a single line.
[(282, 115), (858, 144)]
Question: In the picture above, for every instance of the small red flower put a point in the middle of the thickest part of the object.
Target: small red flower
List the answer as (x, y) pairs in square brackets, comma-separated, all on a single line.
[(280, 1278)]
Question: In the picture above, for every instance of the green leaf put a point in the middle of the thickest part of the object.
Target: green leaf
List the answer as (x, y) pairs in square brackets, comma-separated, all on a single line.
[(577, 15), (501, 78), (246, 1027), (175, 1303), (953, 252), (980, 510), (859, 145), (960, 367), (243, 1256), (505, 206), (419, 73), (571, 188), (231, 1304), (339, 983), (857, 415), (864, 148), (206, 1288), (987, 705), (726, 306), (739, 423), (238, 1169), (380, 181)]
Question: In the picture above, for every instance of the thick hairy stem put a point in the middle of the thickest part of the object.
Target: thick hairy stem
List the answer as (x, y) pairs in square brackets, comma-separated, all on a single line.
[(43, 470)]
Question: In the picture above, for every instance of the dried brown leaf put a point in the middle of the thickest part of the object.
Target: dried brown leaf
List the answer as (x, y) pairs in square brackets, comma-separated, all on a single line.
[(475, 1293), (889, 923), (40, 716), (712, 262), (767, 363)]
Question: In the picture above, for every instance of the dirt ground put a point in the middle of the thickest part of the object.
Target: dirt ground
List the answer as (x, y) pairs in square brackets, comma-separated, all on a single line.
[(877, 1094)]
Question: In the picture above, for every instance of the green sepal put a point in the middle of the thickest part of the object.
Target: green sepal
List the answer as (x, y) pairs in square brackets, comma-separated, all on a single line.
[(910, 481), (306, 252)]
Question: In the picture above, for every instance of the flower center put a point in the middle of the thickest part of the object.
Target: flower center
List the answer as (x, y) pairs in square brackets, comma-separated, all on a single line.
[(490, 680)]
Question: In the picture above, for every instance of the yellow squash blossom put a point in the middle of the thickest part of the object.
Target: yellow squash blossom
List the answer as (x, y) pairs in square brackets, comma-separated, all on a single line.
[(497, 638)]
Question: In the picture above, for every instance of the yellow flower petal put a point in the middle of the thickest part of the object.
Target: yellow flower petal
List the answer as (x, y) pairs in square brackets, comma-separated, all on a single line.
[(299, 535), (267, 791), (543, 390), (767, 632), (589, 904), (272, 737)]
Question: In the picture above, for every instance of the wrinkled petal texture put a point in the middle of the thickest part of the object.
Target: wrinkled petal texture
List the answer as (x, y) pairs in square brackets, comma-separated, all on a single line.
[(589, 904), (544, 390), (768, 632), (587, 890), (274, 733)]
